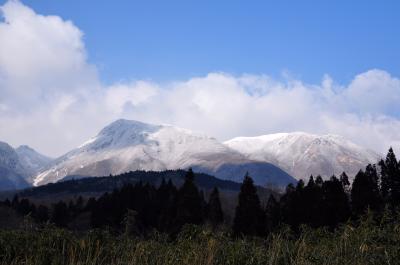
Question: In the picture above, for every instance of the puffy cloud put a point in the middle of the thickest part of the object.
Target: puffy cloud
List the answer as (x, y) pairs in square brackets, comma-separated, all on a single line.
[(41, 58), (51, 97)]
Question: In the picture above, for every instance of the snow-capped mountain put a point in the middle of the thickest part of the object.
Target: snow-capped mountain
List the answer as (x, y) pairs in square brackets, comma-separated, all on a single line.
[(32, 161), (127, 145), (12, 171), (19, 166), (302, 154)]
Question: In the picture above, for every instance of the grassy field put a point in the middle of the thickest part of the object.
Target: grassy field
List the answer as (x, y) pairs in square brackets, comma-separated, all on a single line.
[(367, 243)]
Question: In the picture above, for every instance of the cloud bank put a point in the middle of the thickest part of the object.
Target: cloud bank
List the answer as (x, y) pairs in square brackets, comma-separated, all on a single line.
[(52, 99)]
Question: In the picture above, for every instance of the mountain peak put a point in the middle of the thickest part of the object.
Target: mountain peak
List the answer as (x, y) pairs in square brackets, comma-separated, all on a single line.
[(132, 125), (127, 145), (304, 154), (25, 147)]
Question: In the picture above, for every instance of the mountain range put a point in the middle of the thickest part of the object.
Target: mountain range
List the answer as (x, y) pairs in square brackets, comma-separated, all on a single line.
[(19, 166), (302, 154), (127, 145)]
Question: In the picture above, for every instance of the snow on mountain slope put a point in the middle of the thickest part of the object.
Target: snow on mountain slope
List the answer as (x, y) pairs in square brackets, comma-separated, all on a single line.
[(126, 145), (12, 171), (32, 161), (301, 154)]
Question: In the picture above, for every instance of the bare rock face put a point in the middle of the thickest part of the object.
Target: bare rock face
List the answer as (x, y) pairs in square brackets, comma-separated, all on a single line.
[(302, 154)]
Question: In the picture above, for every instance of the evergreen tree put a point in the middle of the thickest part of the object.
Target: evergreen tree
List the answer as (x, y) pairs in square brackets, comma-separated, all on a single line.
[(272, 214), (365, 191), (390, 179), (319, 181), (384, 180), (288, 205), (313, 203), (190, 204), (344, 180), (335, 203), (214, 209), (60, 215), (42, 214), (167, 200), (249, 215), (24, 207)]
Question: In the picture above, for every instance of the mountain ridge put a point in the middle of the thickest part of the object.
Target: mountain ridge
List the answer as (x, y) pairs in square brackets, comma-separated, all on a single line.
[(126, 145), (303, 154)]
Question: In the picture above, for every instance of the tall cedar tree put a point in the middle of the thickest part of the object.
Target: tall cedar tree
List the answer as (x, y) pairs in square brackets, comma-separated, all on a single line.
[(272, 214), (313, 200), (249, 217), (390, 179), (294, 205), (166, 196), (288, 205), (344, 179), (336, 205), (214, 210), (190, 204), (365, 191)]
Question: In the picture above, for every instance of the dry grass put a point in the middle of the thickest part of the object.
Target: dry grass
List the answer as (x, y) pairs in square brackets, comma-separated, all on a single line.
[(366, 244)]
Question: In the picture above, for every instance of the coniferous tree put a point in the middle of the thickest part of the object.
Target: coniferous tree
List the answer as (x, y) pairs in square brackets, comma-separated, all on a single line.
[(60, 215), (384, 181), (365, 191), (319, 181), (214, 209), (190, 204), (344, 180), (15, 201), (288, 205), (313, 200), (390, 179), (299, 204), (24, 207), (335, 203), (167, 199), (272, 214), (42, 214), (249, 215)]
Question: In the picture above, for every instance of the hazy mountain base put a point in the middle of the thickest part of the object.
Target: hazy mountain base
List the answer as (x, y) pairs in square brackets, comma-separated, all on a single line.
[(367, 243)]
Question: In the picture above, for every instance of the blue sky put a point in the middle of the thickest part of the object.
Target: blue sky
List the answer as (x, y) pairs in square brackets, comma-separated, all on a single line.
[(169, 40)]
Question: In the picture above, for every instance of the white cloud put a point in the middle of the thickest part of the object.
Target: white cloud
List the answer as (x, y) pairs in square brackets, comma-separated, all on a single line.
[(51, 97)]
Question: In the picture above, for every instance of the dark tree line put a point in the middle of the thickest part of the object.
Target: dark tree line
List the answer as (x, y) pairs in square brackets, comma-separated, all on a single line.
[(138, 208), (321, 203)]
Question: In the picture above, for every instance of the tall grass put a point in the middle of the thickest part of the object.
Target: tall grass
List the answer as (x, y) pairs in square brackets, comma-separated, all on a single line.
[(368, 243)]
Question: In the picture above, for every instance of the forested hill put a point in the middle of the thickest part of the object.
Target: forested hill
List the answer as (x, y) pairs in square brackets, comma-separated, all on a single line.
[(76, 185)]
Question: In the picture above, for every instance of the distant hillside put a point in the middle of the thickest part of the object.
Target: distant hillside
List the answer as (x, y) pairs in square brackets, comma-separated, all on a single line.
[(80, 184), (73, 186)]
